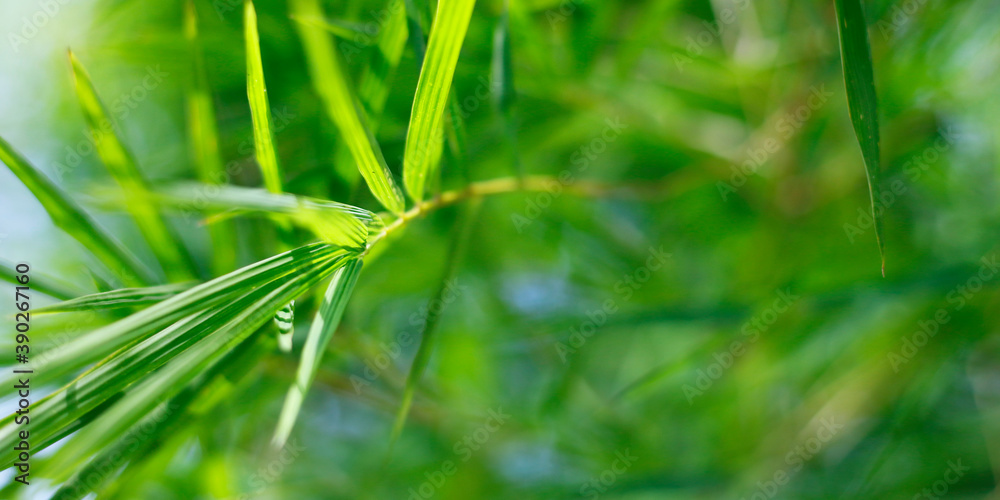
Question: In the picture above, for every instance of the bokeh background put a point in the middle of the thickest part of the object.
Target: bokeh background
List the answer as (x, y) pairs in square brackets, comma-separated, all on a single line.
[(724, 332)]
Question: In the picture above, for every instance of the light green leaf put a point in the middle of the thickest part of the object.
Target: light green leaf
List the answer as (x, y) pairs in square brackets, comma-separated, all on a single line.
[(332, 83), (188, 335), (125, 297), (181, 353), (168, 248), (38, 283), (260, 110), (70, 217), (92, 346), (323, 327), (424, 137), (859, 78)]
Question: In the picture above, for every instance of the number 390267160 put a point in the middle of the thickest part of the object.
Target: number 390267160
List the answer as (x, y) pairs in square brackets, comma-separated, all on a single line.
[(22, 318)]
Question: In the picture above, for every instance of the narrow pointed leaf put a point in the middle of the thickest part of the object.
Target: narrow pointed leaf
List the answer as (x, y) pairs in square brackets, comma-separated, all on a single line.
[(424, 136), (168, 248), (859, 78), (224, 330), (323, 327), (332, 83), (72, 219), (92, 346), (260, 110), (39, 282), (115, 299)]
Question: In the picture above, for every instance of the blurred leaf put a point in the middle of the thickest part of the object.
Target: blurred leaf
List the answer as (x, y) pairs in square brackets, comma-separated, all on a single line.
[(71, 218), (125, 297), (859, 78), (333, 85), (39, 282), (456, 249), (204, 137), (167, 247), (323, 327), (260, 110), (424, 136)]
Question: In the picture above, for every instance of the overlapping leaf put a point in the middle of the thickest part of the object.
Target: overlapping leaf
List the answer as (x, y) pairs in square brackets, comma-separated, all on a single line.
[(168, 248), (332, 84), (424, 136), (320, 332), (125, 297)]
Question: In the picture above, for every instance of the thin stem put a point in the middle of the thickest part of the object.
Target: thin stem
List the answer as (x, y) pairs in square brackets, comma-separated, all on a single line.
[(531, 183)]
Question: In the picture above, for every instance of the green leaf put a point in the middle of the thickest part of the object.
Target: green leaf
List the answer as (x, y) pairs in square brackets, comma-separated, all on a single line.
[(424, 136), (260, 110), (332, 84), (181, 353), (204, 138), (859, 78), (335, 223), (503, 93), (38, 283), (92, 346), (168, 248), (178, 342), (374, 87), (323, 327), (142, 439), (115, 299), (70, 217)]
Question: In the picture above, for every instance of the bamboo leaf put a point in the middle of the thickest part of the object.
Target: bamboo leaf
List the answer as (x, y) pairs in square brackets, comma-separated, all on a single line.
[(424, 136), (333, 86), (92, 346), (125, 297), (191, 348), (173, 257), (194, 337), (260, 110), (39, 282), (859, 79), (72, 219), (323, 327)]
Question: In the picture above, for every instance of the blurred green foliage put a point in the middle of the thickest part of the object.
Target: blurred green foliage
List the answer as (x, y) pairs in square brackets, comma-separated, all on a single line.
[(719, 329)]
